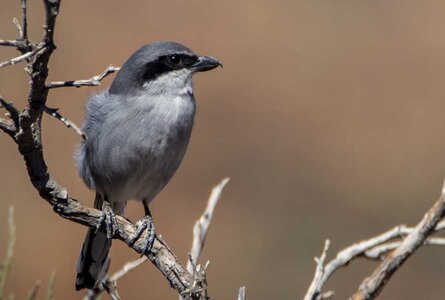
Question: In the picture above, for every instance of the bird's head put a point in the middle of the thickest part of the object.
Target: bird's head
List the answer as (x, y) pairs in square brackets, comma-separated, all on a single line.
[(160, 68)]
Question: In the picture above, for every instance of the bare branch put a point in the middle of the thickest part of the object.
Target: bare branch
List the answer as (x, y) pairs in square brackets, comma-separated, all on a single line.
[(380, 251), (129, 266), (12, 110), (242, 293), (24, 31), (35, 289), (7, 127), (9, 43), (51, 285), (20, 58), (374, 248), (19, 27), (55, 113), (313, 291), (110, 284), (93, 81), (380, 247), (203, 223), (374, 284), (6, 264)]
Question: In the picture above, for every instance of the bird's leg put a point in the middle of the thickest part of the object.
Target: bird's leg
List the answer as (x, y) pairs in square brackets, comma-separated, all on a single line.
[(146, 223), (108, 219)]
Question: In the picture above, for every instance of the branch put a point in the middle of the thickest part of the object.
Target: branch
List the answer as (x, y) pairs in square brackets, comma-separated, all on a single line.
[(9, 43), (375, 248), (55, 113), (242, 293), (319, 273), (6, 264), (33, 292), (202, 225), (379, 252), (110, 284), (20, 58), (51, 286), (24, 31), (374, 284), (93, 81)]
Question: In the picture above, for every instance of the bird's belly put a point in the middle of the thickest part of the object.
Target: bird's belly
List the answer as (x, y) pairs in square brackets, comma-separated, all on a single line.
[(147, 162), (157, 170)]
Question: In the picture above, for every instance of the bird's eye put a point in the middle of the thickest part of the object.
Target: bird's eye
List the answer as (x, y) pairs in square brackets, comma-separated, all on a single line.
[(174, 59)]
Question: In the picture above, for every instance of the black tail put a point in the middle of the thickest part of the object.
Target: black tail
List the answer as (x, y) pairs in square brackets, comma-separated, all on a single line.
[(93, 261)]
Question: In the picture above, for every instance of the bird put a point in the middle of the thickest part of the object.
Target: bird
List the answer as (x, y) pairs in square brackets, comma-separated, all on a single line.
[(137, 132)]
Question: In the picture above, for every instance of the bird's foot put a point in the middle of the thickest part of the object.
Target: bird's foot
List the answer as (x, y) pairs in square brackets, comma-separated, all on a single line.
[(108, 219), (145, 224)]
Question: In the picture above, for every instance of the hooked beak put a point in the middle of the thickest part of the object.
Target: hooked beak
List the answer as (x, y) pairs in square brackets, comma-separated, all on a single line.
[(205, 63)]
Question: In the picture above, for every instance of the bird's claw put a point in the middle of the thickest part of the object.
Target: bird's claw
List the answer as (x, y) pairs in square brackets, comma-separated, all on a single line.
[(145, 224), (108, 219)]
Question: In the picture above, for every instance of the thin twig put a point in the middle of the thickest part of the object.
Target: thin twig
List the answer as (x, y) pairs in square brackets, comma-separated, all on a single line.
[(55, 113), (51, 286), (313, 291), (19, 27), (6, 264), (129, 266), (9, 43), (93, 81), (20, 58), (7, 127), (33, 292), (11, 109), (203, 223), (373, 285), (24, 33), (379, 252), (376, 248), (112, 291), (242, 293), (112, 280)]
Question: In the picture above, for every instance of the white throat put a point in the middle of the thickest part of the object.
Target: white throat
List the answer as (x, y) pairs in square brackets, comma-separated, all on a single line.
[(172, 84)]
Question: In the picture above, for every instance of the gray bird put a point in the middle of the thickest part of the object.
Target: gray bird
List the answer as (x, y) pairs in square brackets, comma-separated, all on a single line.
[(137, 133)]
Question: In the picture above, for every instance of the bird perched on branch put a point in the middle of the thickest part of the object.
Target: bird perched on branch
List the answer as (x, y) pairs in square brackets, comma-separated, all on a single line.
[(137, 134)]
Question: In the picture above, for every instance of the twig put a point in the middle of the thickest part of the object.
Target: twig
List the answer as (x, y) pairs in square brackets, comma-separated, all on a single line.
[(6, 264), (129, 266), (11, 109), (313, 291), (51, 285), (380, 251), (374, 284), (203, 223), (9, 43), (20, 58), (93, 81), (19, 27), (55, 113), (112, 280), (112, 291), (33, 292), (374, 248), (242, 293), (24, 31)]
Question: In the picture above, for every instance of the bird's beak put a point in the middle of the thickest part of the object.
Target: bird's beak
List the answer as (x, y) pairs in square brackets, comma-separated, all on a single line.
[(205, 63)]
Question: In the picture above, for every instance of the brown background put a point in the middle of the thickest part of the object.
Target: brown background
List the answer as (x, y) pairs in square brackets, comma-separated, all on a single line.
[(327, 116)]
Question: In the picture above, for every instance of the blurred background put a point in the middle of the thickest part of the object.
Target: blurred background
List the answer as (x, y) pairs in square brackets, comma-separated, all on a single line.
[(327, 117)]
